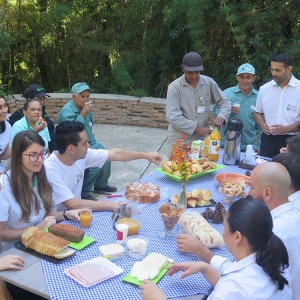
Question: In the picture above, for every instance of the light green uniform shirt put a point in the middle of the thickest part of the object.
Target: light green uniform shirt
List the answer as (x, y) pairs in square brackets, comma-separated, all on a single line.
[(22, 125), (70, 112), (251, 131)]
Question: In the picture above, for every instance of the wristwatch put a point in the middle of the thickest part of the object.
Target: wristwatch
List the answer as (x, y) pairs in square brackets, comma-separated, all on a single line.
[(65, 216)]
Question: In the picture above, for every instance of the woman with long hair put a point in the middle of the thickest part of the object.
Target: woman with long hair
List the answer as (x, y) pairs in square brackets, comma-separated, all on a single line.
[(32, 121), (5, 130), (260, 259), (26, 195)]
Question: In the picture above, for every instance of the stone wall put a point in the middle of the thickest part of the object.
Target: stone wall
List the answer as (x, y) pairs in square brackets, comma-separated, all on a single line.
[(110, 109)]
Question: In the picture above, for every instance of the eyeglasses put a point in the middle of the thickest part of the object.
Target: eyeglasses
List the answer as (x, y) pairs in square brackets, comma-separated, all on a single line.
[(35, 156)]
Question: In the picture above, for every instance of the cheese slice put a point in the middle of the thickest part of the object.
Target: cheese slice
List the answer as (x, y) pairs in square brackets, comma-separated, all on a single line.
[(136, 269), (155, 260), (153, 273)]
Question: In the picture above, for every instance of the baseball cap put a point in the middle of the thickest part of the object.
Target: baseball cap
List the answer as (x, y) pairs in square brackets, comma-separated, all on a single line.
[(246, 68), (192, 61), (79, 87), (34, 90)]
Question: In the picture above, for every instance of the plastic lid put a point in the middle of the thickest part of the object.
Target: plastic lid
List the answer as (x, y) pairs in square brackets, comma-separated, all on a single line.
[(235, 125)]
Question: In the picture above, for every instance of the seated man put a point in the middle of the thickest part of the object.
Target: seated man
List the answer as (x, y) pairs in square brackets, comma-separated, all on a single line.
[(80, 109), (270, 182), (291, 162), (292, 145), (65, 169)]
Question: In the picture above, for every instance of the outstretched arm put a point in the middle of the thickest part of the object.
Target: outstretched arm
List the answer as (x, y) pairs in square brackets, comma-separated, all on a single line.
[(118, 154)]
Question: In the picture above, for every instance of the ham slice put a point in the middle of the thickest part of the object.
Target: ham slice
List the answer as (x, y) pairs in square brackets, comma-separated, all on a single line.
[(89, 274)]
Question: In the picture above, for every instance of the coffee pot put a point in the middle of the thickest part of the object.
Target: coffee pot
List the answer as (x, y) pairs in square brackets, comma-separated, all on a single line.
[(233, 140)]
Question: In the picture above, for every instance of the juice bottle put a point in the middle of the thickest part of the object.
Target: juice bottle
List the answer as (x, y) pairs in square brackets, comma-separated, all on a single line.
[(206, 146), (195, 149), (214, 145)]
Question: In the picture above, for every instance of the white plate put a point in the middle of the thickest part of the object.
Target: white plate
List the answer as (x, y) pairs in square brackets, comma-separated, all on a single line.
[(98, 261)]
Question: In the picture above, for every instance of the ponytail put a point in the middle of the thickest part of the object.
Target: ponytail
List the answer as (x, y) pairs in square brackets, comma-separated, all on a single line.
[(253, 220), (273, 258)]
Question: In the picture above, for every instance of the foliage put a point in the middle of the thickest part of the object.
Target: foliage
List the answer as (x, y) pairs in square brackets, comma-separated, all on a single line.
[(135, 47), (181, 156)]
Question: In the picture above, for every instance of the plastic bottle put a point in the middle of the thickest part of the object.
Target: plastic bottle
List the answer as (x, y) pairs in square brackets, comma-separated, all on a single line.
[(206, 146), (214, 145)]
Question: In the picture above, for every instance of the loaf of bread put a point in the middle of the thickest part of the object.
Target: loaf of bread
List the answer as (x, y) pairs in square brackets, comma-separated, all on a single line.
[(196, 226), (45, 243), (148, 192), (68, 232)]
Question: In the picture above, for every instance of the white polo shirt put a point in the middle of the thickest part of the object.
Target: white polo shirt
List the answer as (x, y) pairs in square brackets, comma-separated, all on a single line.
[(4, 141), (286, 225), (295, 198), (66, 181), (280, 105), (10, 210), (245, 279)]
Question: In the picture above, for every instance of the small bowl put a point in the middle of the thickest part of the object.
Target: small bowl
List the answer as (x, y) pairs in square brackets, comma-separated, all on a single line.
[(136, 246), (232, 177)]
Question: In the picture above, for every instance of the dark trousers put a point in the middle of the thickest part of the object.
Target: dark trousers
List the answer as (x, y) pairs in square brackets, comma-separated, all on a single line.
[(271, 144)]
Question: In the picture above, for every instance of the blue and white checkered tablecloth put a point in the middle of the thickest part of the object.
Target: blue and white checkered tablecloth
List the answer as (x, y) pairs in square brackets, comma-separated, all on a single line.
[(62, 287)]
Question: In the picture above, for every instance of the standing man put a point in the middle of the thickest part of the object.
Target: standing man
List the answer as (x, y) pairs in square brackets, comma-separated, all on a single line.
[(188, 103), (277, 109), (80, 109), (245, 95)]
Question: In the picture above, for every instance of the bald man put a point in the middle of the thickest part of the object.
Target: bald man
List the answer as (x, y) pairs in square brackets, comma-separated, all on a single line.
[(270, 182), (291, 162)]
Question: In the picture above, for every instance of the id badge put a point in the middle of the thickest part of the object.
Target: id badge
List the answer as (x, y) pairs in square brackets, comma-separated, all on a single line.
[(200, 110)]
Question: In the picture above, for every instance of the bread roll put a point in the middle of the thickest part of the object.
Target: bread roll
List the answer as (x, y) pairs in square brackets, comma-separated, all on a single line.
[(165, 166)]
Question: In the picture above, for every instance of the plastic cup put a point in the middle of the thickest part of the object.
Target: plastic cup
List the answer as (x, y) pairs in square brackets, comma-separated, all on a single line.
[(86, 217), (236, 105), (122, 231)]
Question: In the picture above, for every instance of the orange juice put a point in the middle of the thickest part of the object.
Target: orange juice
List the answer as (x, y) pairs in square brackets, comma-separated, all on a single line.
[(133, 224), (206, 146), (214, 145), (85, 219)]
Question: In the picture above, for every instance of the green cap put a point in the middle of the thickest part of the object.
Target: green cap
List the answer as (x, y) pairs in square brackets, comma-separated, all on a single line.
[(246, 68)]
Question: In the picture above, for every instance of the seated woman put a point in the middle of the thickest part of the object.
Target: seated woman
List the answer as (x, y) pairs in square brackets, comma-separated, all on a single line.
[(5, 130), (260, 255), (26, 195), (31, 121), (37, 92)]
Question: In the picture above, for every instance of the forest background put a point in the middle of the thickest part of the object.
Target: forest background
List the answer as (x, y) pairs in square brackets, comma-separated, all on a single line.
[(135, 47)]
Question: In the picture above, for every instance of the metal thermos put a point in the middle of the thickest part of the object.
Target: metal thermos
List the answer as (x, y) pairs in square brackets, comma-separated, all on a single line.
[(233, 140)]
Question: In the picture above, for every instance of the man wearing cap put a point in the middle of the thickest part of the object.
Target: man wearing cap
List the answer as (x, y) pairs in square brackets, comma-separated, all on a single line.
[(244, 95), (80, 109), (188, 103), (36, 92), (277, 109)]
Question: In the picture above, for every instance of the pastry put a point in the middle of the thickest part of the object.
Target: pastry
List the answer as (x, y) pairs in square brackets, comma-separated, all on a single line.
[(148, 192), (196, 226), (196, 193), (206, 195), (191, 203), (165, 166)]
